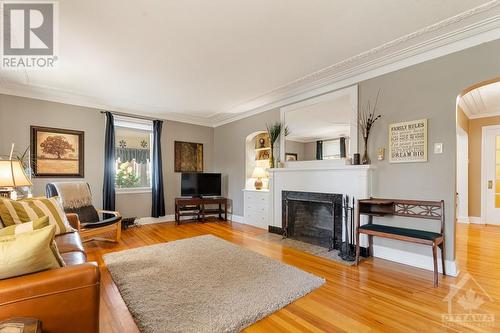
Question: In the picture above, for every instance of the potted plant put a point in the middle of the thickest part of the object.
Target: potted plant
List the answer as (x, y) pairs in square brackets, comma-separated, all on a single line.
[(274, 131), (366, 120)]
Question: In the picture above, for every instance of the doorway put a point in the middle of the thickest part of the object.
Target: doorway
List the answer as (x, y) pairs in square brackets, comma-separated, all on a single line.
[(490, 174), (478, 154)]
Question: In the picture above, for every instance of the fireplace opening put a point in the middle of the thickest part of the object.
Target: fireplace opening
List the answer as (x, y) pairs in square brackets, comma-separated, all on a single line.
[(314, 218)]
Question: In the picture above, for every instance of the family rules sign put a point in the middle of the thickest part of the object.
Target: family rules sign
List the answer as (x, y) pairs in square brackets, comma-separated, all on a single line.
[(408, 141)]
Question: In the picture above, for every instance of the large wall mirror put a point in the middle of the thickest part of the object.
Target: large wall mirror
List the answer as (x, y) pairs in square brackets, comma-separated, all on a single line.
[(322, 127)]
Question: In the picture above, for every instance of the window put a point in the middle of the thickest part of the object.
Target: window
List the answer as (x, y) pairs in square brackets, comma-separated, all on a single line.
[(133, 144), (332, 150)]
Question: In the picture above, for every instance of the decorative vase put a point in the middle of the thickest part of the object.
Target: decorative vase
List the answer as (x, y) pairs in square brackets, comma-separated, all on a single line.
[(366, 158), (271, 158)]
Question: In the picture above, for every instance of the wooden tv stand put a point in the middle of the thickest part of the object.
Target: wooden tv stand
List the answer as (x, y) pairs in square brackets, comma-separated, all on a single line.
[(197, 207)]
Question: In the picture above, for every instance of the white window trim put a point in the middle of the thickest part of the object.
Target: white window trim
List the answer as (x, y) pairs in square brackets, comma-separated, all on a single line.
[(133, 190), (137, 124)]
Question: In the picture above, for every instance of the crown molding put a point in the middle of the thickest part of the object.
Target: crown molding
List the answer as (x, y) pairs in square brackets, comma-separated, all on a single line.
[(473, 27), (470, 28), (65, 97)]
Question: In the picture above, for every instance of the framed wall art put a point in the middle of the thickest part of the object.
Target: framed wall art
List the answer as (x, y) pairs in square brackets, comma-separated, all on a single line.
[(57, 152), (188, 157), (408, 141)]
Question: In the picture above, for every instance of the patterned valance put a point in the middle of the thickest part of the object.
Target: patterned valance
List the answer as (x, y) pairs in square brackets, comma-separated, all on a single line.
[(128, 154)]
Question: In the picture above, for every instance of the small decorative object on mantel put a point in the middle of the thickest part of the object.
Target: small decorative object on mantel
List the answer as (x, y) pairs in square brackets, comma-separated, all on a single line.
[(355, 159), (408, 141), (274, 131), (367, 119)]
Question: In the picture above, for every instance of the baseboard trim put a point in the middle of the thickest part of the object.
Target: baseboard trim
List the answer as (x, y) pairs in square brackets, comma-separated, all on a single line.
[(237, 218), (154, 220), (414, 259), (475, 220), (463, 219)]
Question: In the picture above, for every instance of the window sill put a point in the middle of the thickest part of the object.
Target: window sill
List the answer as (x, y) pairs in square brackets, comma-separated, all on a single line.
[(135, 190)]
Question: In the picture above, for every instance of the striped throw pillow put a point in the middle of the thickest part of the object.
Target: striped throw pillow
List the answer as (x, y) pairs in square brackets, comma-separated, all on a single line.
[(16, 212)]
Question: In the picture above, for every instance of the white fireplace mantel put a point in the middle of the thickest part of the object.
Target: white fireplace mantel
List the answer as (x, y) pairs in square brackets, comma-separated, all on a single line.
[(320, 177)]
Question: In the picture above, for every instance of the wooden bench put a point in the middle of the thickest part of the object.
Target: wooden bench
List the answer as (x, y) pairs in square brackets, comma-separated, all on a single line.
[(432, 210)]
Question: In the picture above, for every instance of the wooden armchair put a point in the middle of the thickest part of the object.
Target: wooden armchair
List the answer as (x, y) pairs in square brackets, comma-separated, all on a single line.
[(87, 221)]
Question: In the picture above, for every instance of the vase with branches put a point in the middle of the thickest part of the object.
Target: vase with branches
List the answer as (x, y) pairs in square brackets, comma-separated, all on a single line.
[(367, 118), (274, 131)]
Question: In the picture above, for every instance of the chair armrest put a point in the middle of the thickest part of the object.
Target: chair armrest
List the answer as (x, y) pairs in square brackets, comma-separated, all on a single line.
[(101, 211), (58, 297), (74, 221)]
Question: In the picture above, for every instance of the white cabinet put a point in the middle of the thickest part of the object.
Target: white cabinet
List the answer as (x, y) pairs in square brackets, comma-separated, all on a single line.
[(256, 207)]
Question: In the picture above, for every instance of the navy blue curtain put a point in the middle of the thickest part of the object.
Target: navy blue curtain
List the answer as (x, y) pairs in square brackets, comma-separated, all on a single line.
[(319, 150), (158, 208), (108, 188)]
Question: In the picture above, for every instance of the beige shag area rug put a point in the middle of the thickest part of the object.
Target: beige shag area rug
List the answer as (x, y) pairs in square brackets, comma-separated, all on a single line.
[(204, 284)]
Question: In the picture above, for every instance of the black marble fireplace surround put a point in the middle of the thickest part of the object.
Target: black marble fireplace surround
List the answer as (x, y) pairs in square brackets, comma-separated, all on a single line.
[(314, 218)]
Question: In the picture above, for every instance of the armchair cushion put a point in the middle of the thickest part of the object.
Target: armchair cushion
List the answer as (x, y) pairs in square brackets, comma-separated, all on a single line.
[(86, 214)]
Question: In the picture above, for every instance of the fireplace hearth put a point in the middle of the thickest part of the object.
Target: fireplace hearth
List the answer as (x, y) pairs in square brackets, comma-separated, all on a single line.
[(314, 218)]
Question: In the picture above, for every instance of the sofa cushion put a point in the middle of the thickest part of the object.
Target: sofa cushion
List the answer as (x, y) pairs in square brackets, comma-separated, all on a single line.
[(25, 227), (74, 258), (20, 211), (28, 252), (70, 242)]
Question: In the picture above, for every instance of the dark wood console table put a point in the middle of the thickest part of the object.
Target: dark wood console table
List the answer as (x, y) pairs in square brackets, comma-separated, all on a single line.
[(431, 210), (198, 207)]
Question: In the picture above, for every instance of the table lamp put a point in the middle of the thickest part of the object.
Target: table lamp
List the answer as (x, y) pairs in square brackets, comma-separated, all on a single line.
[(12, 175), (258, 173)]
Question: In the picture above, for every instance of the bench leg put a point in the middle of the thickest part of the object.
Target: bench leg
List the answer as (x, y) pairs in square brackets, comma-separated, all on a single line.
[(370, 245), (443, 257), (357, 247), (434, 255)]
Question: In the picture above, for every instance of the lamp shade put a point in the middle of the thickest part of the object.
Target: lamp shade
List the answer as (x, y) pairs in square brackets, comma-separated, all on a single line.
[(12, 174), (259, 173)]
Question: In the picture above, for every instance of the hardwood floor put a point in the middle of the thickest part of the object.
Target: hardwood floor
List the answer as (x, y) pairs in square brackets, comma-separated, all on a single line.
[(377, 296)]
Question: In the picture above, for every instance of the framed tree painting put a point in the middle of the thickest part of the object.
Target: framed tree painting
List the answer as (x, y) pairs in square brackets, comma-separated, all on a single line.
[(57, 152), (188, 157)]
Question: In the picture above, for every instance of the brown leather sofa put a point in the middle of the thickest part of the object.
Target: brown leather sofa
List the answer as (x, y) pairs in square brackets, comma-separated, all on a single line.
[(65, 299)]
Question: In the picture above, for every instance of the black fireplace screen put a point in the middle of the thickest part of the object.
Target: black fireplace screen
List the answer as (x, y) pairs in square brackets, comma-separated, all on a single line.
[(314, 218)]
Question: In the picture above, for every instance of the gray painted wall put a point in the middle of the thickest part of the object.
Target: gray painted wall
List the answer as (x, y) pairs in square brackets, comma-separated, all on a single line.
[(229, 143), (426, 90), (18, 113)]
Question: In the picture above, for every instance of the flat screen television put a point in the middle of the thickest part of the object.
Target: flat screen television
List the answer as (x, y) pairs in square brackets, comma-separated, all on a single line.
[(200, 184)]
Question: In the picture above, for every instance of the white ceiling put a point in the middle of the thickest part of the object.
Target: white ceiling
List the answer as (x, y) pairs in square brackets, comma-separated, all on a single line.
[(482, 102), (209, 61)]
